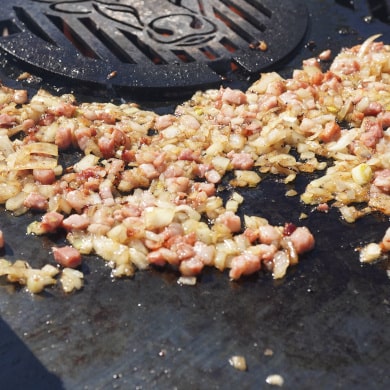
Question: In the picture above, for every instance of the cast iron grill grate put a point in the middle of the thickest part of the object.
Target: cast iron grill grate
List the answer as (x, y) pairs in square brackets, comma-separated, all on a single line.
[(156, 44)]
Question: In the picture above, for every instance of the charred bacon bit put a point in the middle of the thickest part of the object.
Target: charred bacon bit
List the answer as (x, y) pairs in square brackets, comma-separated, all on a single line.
[(289, 229)]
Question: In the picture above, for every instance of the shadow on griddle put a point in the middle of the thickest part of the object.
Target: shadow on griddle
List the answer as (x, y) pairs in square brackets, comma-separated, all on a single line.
[(19, 368)]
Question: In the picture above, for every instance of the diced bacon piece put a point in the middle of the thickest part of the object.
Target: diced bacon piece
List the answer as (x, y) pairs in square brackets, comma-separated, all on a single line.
[(251, 234), (183, 250), (208, 188), (149, 171), (128, 156), (200, 170), (189, 155), (76, 222), (63, 109), (288, 228), (204, 252), (173, 170), (174, 230), (163, 121), (83, 135), (106, 117), (311, 62), (114, 166), (373, 109), (44, 176), (191, 267), (63, 138), (269, 234), (178, 184), (120, 138), (268, 102), (325, 55), (382, 180), (266, 252), (244, 264), (20, 96), (2, 242), (345, 66), (384, 117), (28, 124), (77, 200), (36, 201), (385, 243), (7, 120), (51, 221), (373, 132), (233, 96), (105, 192), (189, 122), (289, 97), (241, 160), (67, 256), (230, 220), (161, 256), (275, 88), (46, 119), (107, 146), (323, 207), (331, 132), (307, 125), (302, 239)]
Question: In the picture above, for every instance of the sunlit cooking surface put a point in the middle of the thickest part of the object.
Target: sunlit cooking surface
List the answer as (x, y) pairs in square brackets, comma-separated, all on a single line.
[(324, 326)]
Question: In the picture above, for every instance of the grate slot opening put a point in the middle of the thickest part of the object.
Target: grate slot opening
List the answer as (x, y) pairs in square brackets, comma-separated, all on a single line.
[(31, 25), (233, 26), (183, 56), (380, 10), (260, 7), (209, 53), (228, 45), (144, 48), (107, 41), (8, 27), (346, 3), (73, 37), (244, 14)]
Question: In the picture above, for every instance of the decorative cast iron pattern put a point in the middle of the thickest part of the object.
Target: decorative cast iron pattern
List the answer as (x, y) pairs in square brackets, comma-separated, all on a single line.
[(151, 43)]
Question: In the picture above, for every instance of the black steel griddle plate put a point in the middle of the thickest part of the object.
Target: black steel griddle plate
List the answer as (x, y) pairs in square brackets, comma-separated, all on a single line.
[(154, 44), (327, 322)]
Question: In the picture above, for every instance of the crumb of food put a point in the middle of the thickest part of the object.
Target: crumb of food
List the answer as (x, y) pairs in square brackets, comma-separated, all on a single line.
[(260, 45), (325, 55), (23, 76), (2, 241), (291, 193), (275, 380), (238, 362), (187, 280), (112, 75), (268, 352), (370, 253), (323, 207)]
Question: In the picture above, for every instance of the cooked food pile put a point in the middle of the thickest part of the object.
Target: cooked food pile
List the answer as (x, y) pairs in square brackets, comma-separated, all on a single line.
[(145, 189)]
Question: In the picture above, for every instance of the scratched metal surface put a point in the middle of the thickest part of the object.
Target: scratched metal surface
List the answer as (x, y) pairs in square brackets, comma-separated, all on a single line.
[(326, 322)]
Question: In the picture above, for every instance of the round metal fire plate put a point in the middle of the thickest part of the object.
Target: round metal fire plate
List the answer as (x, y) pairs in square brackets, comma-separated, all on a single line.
[(138, 44)]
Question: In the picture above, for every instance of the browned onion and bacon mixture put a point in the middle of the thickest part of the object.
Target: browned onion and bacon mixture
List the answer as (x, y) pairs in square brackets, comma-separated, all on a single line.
[(145, 191)]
